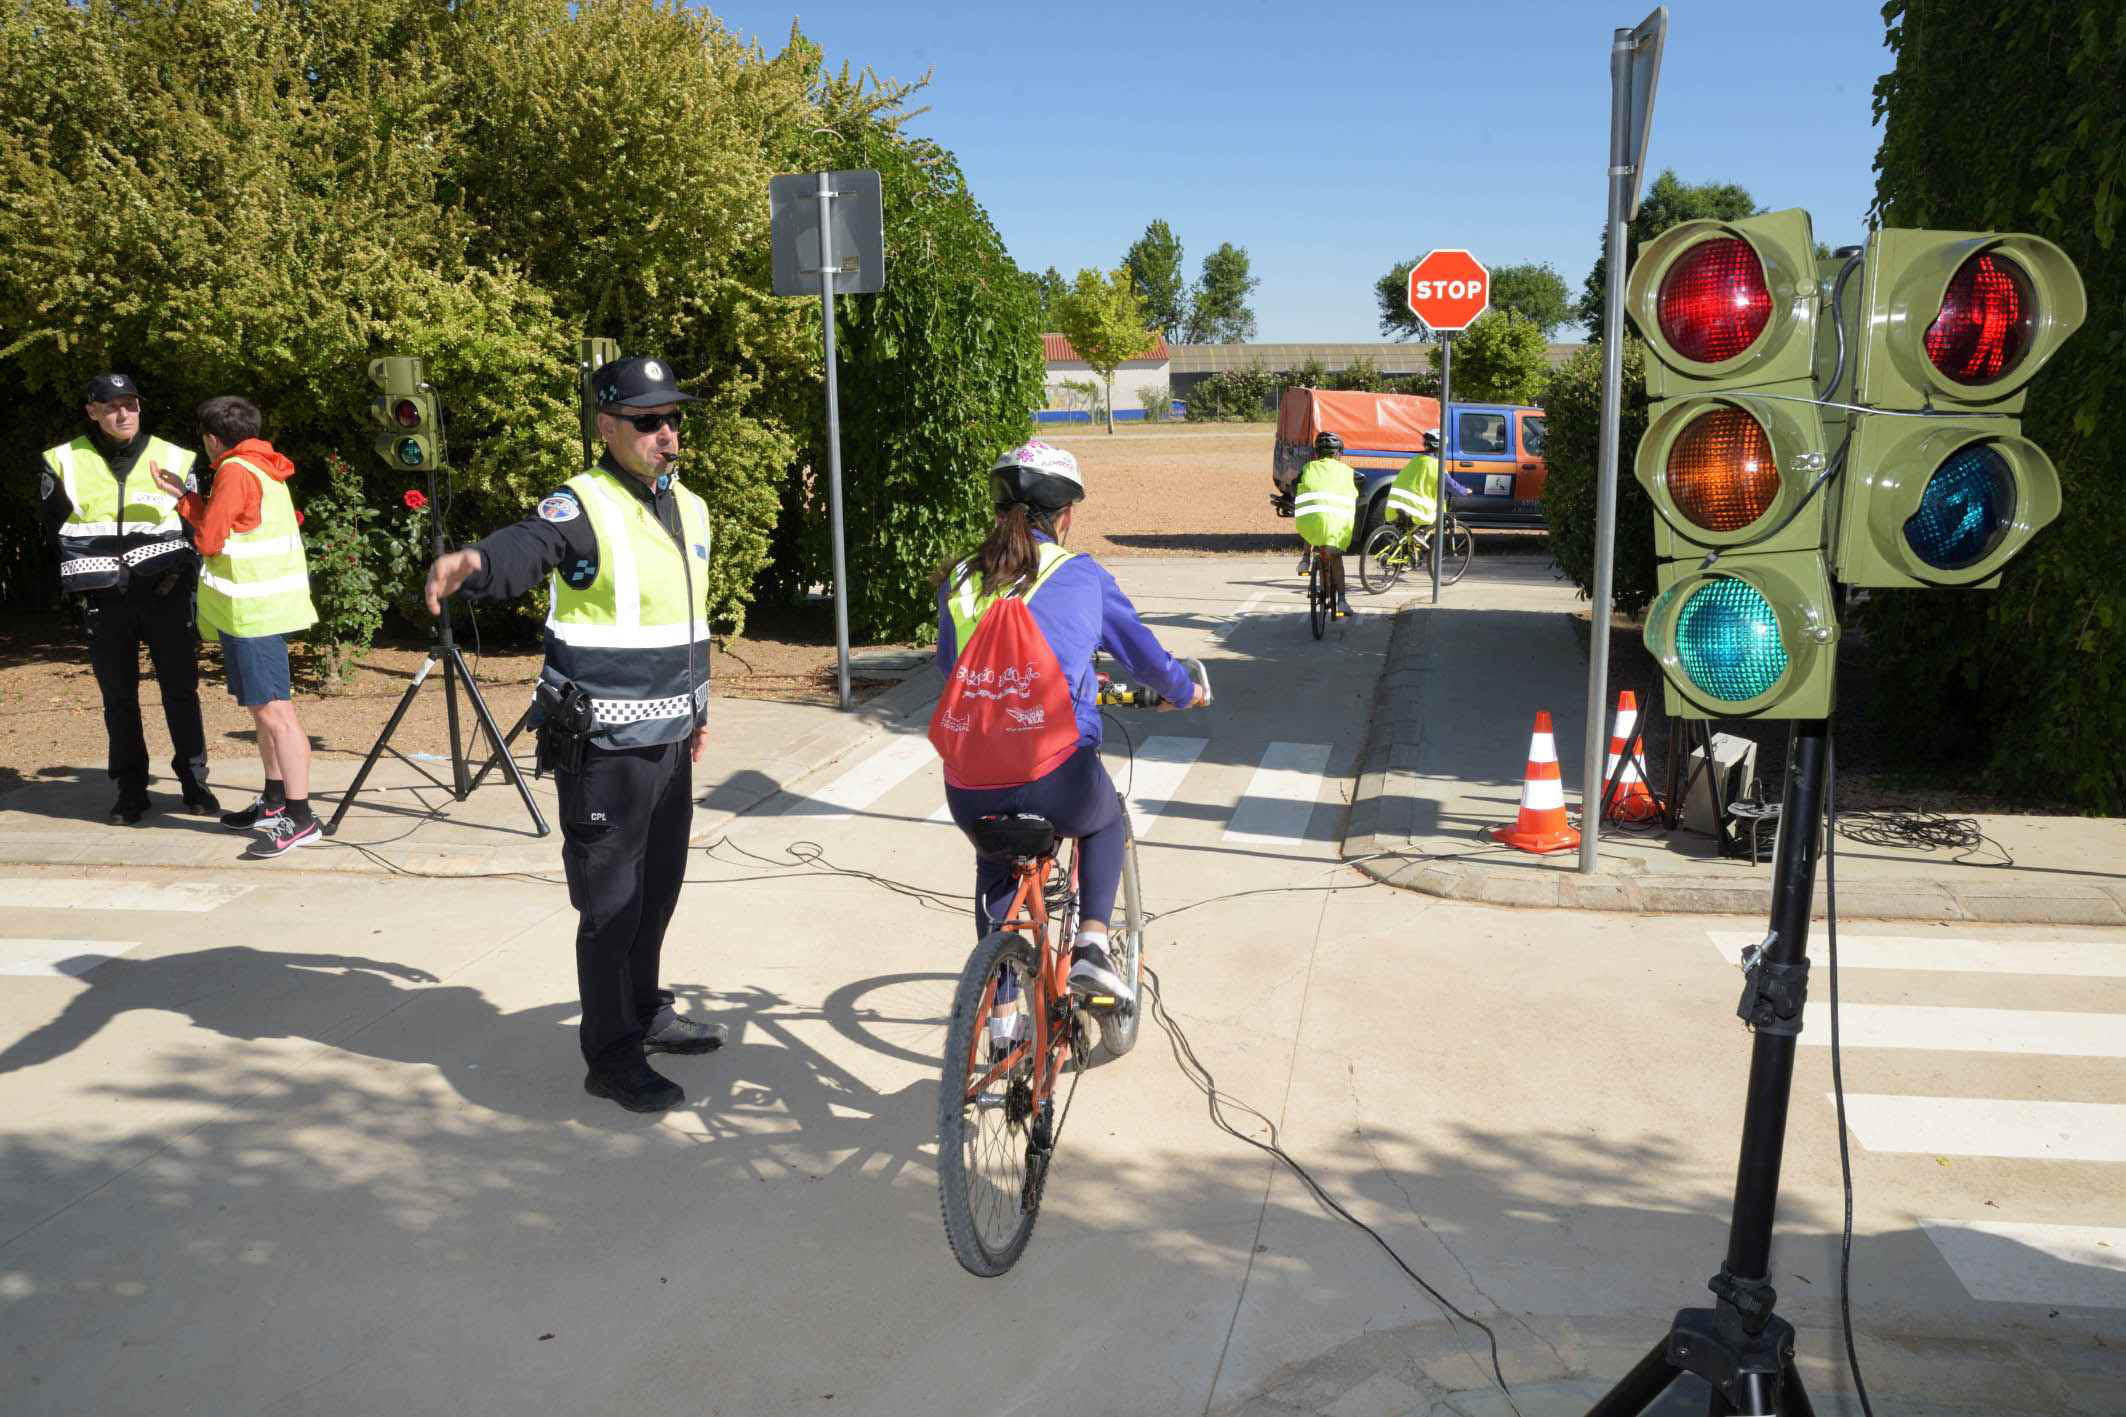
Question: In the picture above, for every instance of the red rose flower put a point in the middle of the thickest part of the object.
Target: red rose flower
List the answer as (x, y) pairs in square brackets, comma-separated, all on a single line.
[(416, 499)]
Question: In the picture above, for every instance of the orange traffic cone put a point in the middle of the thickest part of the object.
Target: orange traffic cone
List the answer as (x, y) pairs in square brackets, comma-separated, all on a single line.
[(1626, 797), (1542, 826)]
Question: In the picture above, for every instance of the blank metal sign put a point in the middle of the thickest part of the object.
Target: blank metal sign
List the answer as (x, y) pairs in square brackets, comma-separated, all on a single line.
[(859, 232)]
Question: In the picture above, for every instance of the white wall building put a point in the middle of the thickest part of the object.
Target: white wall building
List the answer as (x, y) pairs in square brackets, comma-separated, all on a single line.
[(1152, 372)]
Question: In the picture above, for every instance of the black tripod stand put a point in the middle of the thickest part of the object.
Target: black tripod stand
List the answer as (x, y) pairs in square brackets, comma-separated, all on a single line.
[(1739, 1346), (454, 673)]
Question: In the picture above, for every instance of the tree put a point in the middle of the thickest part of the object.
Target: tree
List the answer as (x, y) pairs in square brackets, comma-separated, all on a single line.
[(1669, 201), (1154, 262), (1533, 290), (1048, 287), (1104, 322), (1218, 307), (1502, 358)]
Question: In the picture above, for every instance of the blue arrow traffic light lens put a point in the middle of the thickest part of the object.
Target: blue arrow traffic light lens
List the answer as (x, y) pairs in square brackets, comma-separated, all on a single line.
[(1727, 636), (1966, 507)]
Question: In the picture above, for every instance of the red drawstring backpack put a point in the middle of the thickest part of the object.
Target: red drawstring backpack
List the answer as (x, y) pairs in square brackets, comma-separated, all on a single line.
[(1006, 716)]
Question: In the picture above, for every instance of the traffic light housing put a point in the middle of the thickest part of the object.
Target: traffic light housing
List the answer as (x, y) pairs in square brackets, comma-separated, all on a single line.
[(408, 410), (1941, 488), (1752, 637)]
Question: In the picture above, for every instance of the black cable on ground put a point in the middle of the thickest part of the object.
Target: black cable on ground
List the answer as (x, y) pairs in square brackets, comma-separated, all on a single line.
[(1921, 831), (1845, 1155), (1192, 1068)]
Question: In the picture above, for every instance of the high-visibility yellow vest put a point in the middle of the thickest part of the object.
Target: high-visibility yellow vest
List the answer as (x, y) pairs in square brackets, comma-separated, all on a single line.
[(1325, 503), (636, 639), (92, 550), (1416, 490), (259, 582), (967, 602)]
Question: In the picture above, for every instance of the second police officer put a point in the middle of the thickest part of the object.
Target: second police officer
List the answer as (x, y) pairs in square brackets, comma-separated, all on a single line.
[(622, 704)]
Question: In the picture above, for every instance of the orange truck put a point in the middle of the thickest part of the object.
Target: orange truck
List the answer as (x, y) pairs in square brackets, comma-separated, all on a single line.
[(1492, 454)]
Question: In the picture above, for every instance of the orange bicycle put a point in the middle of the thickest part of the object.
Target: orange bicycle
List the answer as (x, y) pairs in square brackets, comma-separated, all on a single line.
[(998, 1123)]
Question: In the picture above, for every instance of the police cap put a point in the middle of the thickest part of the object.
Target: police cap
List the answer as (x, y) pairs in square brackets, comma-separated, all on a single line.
[(637, 383), (105, 387)]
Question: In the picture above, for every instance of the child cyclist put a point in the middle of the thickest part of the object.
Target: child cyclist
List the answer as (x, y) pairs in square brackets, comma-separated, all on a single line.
[(1077, 608)]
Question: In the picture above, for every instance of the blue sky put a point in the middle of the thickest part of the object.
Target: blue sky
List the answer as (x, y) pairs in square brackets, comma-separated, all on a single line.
[(1333, 139)]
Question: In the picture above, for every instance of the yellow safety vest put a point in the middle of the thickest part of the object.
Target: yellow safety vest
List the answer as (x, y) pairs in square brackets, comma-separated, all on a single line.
[(1325, 503), (259, 582), (968, 604), (1416, 490), (93, 554)]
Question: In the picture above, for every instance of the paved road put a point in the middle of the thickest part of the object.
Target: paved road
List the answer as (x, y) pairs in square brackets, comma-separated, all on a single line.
[(315, 1144)]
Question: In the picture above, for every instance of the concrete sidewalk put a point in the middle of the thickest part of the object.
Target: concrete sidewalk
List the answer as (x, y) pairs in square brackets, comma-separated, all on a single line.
[(1448, 747), (406, 819)]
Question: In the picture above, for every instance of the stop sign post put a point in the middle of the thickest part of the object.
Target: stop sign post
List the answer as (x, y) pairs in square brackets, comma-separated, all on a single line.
[(1449, 289)]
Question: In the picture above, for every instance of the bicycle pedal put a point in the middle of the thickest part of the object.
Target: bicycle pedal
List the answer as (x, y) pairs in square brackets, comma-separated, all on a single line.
[(1100, 1001)]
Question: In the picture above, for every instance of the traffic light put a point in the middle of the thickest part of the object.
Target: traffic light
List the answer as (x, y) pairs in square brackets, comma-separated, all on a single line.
[(408, 411), (1735, 459), (1941, 488)]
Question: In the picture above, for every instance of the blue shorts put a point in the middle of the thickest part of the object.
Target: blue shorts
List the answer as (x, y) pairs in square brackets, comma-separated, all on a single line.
[(257, 666)]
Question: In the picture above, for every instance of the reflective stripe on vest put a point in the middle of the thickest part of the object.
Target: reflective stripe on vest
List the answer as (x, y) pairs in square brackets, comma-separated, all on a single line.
[(259, 582), (1326, 503), (968, 604), (1416, 490), (636, 639), (92, 539)]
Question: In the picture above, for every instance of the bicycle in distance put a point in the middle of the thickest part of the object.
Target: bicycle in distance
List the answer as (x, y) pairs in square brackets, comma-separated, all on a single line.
[(1399, 546), (1017, 1028)]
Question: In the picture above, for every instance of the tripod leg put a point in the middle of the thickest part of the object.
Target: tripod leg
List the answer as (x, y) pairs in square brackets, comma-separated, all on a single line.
[(453, 667), (1793, 1397), (501, 749), (494, 735), (382, 739), (1640, 1388)]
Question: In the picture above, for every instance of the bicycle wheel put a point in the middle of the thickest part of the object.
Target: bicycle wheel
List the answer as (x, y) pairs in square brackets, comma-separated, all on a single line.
[(1383, 558), (989, 1188), (1118, 1025), (1318, 597), (1460, 550)]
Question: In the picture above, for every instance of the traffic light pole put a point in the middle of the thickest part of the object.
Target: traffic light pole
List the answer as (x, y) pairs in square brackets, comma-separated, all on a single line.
[(1740, 1346)]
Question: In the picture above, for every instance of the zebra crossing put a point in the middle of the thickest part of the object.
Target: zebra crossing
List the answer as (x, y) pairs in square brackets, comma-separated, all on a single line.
[(2007, 1260), (43, 957), (1168, 780)]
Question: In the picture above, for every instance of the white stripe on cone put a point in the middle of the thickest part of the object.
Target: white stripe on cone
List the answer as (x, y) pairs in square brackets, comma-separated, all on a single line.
[(1543, 748), (1541, 794)]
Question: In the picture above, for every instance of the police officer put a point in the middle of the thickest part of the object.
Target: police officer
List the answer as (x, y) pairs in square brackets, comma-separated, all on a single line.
[(621, 704), (123, 549)]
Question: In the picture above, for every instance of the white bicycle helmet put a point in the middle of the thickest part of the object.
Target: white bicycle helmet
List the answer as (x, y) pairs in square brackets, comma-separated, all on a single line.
[(1039, 474)]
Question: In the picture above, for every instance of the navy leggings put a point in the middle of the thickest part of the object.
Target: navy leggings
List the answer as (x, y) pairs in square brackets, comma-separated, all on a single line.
[(1080, 799)]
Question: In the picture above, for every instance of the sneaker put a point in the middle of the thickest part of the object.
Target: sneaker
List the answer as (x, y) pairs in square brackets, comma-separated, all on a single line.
[(1092, 972), (1343, 606), (198, 799), (640, 1088), (282, 835), (260, 810), (669, 1033), (1305, 562), (1007, 1024), (129, 809)]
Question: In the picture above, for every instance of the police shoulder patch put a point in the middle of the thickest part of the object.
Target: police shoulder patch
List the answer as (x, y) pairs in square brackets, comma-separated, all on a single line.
[(45, 485), (561, 507)]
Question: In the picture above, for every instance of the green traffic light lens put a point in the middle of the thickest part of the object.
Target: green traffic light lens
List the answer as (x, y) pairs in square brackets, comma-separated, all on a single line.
[(1727, 636), (410, 452), (1964, 511)]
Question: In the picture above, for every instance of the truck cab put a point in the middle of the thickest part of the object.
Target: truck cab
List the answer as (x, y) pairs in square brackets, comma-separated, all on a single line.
[(1492, 460), (1491, 457)]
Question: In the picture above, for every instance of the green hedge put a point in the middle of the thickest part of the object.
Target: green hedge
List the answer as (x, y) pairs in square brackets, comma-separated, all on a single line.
[(1573, 402), (2032, 677)]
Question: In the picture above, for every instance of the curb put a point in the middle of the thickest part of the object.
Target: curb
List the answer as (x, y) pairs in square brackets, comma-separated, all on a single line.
[(1377, 841)]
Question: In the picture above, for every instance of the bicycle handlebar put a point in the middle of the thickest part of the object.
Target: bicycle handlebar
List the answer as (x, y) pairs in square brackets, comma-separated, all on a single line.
[(1112, 695)]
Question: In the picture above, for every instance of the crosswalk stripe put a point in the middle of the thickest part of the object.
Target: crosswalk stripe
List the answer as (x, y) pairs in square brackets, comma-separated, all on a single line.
[(868, 781), (1946, 1030), (67, 958), (184, 897), (2006, 1262), (1155, 776), (1279, 801), (1956, 954), (1246, 608), (1984, 1126)]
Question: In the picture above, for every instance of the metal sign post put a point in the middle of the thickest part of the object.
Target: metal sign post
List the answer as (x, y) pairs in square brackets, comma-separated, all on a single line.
[(860, 268), (1634, 62), (1439, 493), (1449, 290)]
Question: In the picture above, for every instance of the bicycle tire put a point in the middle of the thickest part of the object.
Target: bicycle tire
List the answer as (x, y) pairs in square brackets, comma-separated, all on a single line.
[(1380, 562), (1318, 597), (1460, 551), (1118, 1026), (984, 1130)]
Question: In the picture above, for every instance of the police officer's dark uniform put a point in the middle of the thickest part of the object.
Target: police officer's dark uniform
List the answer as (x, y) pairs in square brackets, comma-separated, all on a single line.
[(124, 550), (623, 689)]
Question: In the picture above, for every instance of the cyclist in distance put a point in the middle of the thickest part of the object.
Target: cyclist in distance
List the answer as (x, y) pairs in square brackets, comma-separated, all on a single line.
[(1077, 608), (1326, 507), (1416, 490)]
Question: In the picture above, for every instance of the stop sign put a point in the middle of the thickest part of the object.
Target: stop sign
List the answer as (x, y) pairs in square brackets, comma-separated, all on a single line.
[(1449, 289)]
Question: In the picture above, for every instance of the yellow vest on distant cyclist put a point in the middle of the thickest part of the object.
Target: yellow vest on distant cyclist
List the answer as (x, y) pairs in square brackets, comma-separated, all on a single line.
[(1416, 490), (1325, 503), (259, 582)]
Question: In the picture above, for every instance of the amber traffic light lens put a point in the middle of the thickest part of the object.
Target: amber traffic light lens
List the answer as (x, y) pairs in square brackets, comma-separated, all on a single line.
[(1984, 325), (1714, 302), (1721, 473)]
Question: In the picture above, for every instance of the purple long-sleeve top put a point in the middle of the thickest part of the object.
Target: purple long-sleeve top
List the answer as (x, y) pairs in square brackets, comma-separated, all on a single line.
[(1080, 610)]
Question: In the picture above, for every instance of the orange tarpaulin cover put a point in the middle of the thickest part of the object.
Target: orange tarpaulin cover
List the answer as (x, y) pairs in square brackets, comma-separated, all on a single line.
[(1388, 422)]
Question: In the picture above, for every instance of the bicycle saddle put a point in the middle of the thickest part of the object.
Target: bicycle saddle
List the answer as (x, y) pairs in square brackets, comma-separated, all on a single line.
[(1020, 834)]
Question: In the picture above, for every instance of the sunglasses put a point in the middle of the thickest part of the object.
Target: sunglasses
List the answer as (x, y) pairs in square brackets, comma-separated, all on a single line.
[(651, 422)]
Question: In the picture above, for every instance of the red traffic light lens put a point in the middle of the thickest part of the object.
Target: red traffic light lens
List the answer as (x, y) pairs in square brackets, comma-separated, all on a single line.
[(1721, 471), (406, 413), (1714, 302), (1985, 320)]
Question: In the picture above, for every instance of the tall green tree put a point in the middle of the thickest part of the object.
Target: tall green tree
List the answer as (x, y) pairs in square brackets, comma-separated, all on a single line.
[(1104, 321), (1668, 201), (1047, 287), (1218, 306), (1154, 262), (1532, 290), (1502, 358)]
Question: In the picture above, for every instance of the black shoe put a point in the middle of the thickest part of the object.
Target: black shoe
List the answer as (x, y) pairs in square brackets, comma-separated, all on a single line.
[(669, 1033), (281, 834), (639, 1089), (129, 809), (1093, 972), (198, 799), (244, 819)]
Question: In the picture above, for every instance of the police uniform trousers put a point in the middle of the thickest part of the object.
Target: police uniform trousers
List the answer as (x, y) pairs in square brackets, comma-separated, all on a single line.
[(624, 825), (118, 622)]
